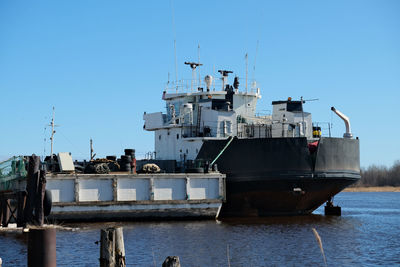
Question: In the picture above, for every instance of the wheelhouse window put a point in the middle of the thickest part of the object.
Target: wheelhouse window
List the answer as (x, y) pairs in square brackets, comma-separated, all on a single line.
[(294, 106)]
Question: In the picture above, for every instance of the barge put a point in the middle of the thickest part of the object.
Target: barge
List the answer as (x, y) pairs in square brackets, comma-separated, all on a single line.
[(109, 196), (105, 197)]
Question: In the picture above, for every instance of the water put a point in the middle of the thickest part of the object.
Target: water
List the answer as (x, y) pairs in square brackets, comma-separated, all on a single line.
[(367, 234)]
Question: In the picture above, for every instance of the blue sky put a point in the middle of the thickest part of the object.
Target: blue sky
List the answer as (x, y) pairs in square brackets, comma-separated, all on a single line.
[(103, 63)]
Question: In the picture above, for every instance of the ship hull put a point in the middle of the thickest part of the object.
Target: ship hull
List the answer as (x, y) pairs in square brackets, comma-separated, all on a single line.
[(280, 176), (280, 196)]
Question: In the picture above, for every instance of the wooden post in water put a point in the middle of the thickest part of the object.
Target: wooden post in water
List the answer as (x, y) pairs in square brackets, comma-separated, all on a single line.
[(119, 247), (107, 245), (112, 248), (42, 247), (171, 261)]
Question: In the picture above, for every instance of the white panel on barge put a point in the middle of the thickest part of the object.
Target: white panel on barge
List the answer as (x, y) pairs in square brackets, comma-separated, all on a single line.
[(91, 197)]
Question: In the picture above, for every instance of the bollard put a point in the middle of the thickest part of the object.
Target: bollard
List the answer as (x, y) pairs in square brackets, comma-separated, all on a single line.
[(42, 247), (171, 261)]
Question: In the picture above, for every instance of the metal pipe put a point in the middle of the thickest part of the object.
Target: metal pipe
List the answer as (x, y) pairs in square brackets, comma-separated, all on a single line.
[(346, 120)]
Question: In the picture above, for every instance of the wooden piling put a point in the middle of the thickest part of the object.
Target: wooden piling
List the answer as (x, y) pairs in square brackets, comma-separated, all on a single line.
[(112, 248), (119, 247), (31, 187), (42, 247), (21, 196), (5, 214), (41, 189), (171, 261), (107, 246)]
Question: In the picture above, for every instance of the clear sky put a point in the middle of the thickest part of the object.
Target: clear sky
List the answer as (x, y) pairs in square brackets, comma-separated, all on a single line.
[(103, 63)]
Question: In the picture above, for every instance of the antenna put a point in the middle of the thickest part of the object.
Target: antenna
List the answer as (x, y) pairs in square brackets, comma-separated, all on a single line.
[(176, 62), (176, 67), (198, 61), (255, 61), (302, 115), (247, 63), (213, 84), (308, 100)]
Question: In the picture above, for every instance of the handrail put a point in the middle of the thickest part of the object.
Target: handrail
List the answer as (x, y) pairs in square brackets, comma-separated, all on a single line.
[(222, 151)]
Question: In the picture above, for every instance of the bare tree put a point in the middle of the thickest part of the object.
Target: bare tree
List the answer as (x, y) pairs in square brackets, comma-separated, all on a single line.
[(376, 175)]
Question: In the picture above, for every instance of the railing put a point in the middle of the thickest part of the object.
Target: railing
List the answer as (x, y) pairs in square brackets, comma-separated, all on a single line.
[(256, 131), (191, 86), (240, 130), (325, 126), (11, 169)]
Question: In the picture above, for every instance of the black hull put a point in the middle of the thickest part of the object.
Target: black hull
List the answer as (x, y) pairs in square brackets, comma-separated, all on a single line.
[(283, 196), (279, 176)]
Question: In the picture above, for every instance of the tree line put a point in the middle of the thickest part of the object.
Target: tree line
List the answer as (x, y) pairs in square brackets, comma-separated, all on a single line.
[(380, 175)]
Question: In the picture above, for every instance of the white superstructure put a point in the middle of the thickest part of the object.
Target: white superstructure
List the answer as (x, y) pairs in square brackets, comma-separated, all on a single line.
[(194, 115)]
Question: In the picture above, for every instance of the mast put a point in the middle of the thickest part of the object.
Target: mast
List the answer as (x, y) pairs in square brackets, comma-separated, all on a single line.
[(302, 115), (52, 133), (193, 66), (224, 74), (91, 150), (246, 70)]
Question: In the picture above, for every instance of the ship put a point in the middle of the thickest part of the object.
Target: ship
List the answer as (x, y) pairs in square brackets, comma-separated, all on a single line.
[(275, 164)]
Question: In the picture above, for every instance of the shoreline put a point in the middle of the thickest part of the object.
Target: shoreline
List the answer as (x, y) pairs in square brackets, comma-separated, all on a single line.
[(373, 189)]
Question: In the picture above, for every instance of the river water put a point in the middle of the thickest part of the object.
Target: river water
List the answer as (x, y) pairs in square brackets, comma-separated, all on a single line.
[(367, 234)]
